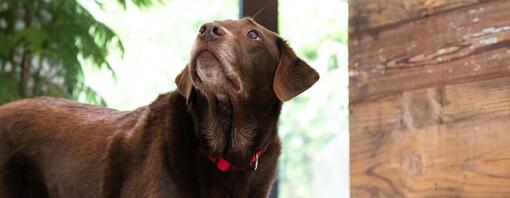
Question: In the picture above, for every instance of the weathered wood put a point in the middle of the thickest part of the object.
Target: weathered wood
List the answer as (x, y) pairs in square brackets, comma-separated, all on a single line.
[(451, 104), (461, 45), (449, 141), (366, 14), (467, 159)]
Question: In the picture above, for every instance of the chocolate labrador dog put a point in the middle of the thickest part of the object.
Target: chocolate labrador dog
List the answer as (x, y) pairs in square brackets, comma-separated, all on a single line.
[(214, 137)]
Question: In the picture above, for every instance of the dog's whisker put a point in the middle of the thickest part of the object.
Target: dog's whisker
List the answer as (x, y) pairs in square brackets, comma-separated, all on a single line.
[(258, 12)]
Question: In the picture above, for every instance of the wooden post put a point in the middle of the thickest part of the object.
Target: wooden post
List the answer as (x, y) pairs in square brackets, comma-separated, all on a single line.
[(267, 12)]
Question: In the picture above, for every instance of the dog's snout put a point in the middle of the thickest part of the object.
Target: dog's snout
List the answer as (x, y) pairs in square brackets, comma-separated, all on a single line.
[(211, 31)]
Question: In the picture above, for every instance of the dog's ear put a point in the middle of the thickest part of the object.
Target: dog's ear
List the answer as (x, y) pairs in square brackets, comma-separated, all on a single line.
[(293, 75), (184, 83)]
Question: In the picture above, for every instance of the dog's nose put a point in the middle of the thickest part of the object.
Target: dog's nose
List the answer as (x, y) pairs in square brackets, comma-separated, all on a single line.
[(210, 31)]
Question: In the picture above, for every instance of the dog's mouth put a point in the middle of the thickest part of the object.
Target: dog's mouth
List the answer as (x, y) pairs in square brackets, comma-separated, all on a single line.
[(212, 73)]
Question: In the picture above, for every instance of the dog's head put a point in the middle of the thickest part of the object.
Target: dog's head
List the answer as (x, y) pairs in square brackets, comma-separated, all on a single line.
[(238, 75), (242, 60)]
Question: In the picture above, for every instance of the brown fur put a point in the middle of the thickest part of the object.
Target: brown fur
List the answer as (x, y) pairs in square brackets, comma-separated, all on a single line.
[(58, 148)]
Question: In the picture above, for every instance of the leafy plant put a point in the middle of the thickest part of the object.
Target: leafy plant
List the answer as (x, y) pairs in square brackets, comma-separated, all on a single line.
[(42, 43)]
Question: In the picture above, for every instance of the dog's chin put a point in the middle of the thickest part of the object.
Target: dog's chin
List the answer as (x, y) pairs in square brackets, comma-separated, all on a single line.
[(211, 77)]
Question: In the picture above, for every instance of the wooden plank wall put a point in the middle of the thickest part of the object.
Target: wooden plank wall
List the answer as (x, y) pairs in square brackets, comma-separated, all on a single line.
[(429, 98)]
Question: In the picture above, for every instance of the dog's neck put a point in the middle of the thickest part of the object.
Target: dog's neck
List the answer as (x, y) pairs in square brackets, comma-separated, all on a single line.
[(234, 130)]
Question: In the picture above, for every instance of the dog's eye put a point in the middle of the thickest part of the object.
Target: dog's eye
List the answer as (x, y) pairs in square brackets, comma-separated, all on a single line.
[(253, 34)]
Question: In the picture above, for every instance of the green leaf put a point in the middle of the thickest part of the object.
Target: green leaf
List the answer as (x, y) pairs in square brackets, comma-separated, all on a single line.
[(8, 89), (5, 45), (32, 38)]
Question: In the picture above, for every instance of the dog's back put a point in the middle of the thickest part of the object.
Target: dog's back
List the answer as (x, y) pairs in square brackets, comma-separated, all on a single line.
[(49, 145)]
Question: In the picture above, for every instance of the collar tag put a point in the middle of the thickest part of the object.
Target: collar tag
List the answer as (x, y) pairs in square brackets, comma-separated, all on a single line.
[(256, 162)]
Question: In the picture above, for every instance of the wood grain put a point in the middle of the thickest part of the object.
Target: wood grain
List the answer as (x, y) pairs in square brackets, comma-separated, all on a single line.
[(460, 45), (366, 14), (447, 141)]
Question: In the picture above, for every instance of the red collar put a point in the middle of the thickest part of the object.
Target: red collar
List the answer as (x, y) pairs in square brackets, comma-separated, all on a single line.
[(224, 165)]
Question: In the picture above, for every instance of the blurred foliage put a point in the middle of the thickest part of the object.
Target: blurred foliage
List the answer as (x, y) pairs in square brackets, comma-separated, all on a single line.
[(42, 43), (310, 121)]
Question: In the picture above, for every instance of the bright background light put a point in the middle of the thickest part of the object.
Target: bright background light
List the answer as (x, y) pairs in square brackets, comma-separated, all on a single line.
[(313, 126)]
